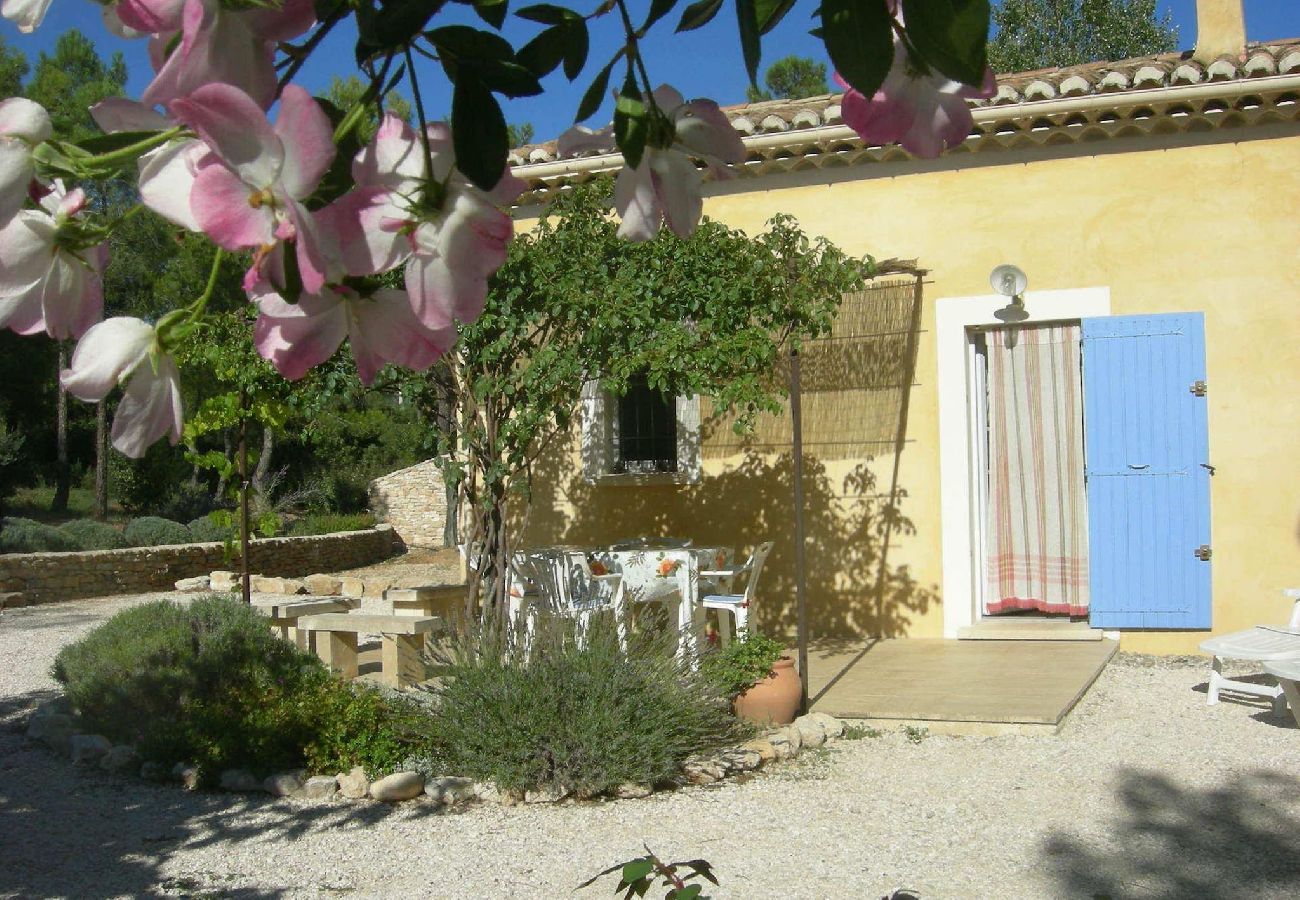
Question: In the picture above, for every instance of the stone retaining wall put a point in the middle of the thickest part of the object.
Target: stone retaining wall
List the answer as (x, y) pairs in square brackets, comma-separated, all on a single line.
[(414, 501), (31, 578)]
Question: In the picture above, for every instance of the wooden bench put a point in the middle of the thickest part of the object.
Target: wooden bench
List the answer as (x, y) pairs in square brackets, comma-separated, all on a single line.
[(284, 614), (402, 636)]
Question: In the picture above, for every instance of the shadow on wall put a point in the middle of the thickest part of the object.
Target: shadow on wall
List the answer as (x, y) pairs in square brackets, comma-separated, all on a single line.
[(1238, 839), (847, 524)]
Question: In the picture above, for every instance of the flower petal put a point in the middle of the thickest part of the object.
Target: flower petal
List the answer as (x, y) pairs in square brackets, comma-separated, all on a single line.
[(120, 114), (22, 312), (15, 176), (150, 16), (308, 140), (637, 202), (283, 24), (677, 183), (580, 139), (73, 296), (385, 330), (167, 178), (393, 158), (705, 130), (106, 353), (234, 126), (150, 408), (216, 47), (26, 14), (21, 118), (355, 222), (221, 208), (26, 251), (296, 337)]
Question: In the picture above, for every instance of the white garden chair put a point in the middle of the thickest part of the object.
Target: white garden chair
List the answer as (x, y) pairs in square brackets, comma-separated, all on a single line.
[(734, 608), (564, 586), (1263, 644), (1287, 673)]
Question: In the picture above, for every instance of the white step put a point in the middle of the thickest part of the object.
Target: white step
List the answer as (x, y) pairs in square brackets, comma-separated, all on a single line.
[(1028, 630)]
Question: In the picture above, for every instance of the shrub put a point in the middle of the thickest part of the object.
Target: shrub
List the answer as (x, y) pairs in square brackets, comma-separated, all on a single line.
[(361, 726), (584, 716), (27, 536), (742, 664), (209, 683), (207, 528), (148, 486), (188, 501), (151, 531), (328, 523), (91, 535)]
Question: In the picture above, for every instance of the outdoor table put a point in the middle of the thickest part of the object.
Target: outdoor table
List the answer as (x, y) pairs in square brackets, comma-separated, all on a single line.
[(666, 575)]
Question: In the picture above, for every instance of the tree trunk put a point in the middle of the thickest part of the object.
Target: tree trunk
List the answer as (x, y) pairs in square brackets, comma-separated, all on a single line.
[(101, 460), (264, 462), (219, 495), (62, 470)]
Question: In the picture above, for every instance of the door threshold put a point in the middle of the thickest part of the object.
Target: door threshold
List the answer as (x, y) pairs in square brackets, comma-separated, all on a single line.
[(1028, 630)]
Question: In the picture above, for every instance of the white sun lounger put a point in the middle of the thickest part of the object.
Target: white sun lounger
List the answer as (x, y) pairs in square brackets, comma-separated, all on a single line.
[(1264, 644), (1287, 673)]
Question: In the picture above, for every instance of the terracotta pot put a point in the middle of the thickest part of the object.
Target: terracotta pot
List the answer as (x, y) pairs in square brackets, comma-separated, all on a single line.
[(775, 699)]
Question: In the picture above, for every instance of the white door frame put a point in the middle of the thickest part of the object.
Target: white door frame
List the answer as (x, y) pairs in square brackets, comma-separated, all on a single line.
[(954, 316)]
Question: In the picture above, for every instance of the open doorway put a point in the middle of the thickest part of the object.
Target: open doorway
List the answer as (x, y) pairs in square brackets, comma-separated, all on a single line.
[(1028, 484)]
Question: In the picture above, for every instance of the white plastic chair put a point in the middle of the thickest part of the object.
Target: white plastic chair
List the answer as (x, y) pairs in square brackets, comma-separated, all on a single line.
[(1263, 644), (735, 607), (1287, 673), (564, 586)]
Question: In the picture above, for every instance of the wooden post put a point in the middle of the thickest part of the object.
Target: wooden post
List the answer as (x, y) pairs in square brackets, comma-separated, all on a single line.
[(245, 577), (800, 579)]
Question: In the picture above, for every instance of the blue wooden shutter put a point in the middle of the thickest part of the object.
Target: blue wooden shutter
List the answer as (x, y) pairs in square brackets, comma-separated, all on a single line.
[(1147, 444)]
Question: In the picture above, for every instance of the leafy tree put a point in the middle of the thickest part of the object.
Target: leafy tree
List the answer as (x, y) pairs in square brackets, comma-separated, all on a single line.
[(1041, 34), (791, 78), (520, 134), (71, 81), (13, 67), (710, 315), (347, 92)]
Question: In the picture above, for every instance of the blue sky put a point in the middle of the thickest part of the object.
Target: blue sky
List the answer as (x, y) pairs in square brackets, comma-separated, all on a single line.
[(702, 63)]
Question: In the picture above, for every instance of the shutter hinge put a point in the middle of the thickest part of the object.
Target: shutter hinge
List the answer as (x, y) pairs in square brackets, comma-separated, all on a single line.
[(1203, 553), (1199, 388)]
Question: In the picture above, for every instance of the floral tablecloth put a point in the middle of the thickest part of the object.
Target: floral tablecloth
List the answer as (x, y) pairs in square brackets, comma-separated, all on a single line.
[(661, 574)]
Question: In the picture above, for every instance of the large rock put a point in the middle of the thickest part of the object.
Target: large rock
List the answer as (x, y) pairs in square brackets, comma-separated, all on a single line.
[(704, 771), (292, 586), (12, 600), (285, 784), (786, 742), (89, 749), (194, 585), (354, 785), (121, 758), (763, 747), (353, 588), (398, 786), (741, 759), (54, 731), (187, 775), (832, 726), (265, 584), (240, 780), (449, 790), (632, 791), (811, 732), (223, 581), (551, 793), (319, 787), (321, 585)]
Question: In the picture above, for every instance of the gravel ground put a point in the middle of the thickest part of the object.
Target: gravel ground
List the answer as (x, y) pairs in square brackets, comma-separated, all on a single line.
[(413, 569), (1145, 793)]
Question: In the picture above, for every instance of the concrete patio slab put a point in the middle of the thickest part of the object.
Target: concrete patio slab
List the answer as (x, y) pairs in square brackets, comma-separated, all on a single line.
[(955, 687)]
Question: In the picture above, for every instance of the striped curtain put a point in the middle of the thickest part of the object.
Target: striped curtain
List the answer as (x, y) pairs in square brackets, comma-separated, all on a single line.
[(1037, 511)]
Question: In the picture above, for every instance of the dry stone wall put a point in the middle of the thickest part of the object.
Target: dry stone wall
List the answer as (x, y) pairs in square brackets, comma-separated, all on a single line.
[(31, 578), (414, 501)]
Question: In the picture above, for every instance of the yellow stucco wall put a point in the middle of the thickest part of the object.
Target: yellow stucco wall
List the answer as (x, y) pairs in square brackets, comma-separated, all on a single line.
[(1166, 228)]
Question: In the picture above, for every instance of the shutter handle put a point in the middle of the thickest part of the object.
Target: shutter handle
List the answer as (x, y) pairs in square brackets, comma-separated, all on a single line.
[(1207, 467), (1142, 466)]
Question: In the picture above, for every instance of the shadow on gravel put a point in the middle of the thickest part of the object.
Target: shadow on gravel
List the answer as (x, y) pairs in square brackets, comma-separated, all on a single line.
[(71, 832), (1241, 839)]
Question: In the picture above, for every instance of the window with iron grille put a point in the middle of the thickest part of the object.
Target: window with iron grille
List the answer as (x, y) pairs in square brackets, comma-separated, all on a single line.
[(647, 430)]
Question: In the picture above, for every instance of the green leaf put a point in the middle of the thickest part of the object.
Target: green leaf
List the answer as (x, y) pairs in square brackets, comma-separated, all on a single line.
[(471, 44), (478, 130), (630, 128), (690, 892), (770, 13), (397, 24), (658, 9), (595, 94), (636, 870), (575, 50), (951, 36), (860, 40), (509, 78), (491, 11), (106, 143), (750, 45), (543, 53), (698, 14), (547, 14)]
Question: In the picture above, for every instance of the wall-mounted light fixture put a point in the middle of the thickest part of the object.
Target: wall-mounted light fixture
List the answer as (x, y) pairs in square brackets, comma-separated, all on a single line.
[(1010, 281)]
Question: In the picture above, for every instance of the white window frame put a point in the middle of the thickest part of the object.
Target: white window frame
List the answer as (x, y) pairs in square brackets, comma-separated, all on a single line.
[(958, 457), (599, 441)]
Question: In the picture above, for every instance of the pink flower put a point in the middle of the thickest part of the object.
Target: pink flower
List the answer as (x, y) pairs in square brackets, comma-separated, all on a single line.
[(50, 277), (452, 241), (381, 329), (217, 45), (119, 349), (665, 187), (925, 112), (166, 174), (248, 191), (26, 14), (23, 125)]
